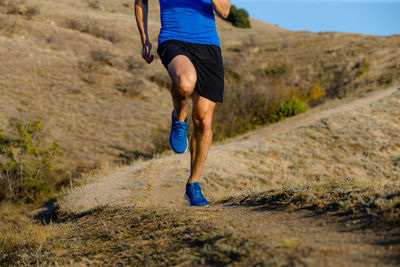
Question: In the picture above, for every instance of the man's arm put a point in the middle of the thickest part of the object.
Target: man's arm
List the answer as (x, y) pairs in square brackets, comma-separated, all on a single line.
[(222, 7), (141, 12)]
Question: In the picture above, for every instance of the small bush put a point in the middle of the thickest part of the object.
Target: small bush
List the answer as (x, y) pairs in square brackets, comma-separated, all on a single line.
[(279, 71), (364, 67), (238, 17), (290, 108), (19, 8), (133, 86), (315, 93), (102, 56), (132, 64), (162, 80), (95, 4), (385, 79), (8, 25), (32, 11), (26, 163)]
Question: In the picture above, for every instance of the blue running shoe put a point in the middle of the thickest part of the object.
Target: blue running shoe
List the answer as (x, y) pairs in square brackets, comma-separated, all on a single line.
[(178, 135), (194, 196)]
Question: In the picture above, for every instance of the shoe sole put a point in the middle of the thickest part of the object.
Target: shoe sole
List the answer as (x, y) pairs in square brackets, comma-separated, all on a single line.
[(187, 142), (187, 198)]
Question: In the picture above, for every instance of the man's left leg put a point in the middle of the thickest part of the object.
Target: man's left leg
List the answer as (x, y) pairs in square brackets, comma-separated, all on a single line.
[(202, 114)]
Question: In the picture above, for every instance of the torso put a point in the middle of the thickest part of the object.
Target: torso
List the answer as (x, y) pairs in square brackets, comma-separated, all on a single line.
[(190, 21)]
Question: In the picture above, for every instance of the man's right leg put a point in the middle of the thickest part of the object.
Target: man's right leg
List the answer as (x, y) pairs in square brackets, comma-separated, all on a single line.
[(183, 76)]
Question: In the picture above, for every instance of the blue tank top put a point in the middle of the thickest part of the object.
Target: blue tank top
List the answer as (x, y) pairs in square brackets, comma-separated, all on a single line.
[(190, 21)]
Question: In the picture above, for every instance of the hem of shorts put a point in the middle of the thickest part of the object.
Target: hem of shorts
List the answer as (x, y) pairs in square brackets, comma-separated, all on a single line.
[(221, 100), (189, 41)]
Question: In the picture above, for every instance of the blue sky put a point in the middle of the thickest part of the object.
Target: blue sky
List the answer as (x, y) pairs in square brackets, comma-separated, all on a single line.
[(356, 16)]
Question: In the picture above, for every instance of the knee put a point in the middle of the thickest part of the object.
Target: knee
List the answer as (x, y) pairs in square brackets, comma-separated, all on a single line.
[(202, 124), (186, 83)]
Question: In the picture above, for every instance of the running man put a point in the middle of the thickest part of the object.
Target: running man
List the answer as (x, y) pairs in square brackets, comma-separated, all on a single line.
[(189, 48)]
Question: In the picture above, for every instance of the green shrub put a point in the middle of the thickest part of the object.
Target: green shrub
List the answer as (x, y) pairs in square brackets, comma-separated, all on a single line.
[(385, 79), (26, 163), (238, 117), (238, 17), (290, 108)]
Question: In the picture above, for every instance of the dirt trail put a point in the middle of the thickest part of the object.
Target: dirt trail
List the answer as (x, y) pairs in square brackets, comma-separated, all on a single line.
[(237, 166), (160, 179), (307, 239)]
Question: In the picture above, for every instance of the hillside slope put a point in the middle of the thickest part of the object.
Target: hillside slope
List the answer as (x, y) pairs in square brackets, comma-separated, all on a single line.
[(321, 188), (76, 66), (340, 142)]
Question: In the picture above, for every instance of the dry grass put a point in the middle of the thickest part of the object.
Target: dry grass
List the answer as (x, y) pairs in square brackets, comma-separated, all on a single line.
[(93, 27), (366, 144), (7, 24), (84, 76), (125, 236), (153, 236), (95, 4), (380, 204), (292, 64), (19, 7), (134, 215), (359, 147), (18, 233)]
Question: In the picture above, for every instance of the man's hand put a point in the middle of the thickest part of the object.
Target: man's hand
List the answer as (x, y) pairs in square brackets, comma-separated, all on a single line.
[(146, 52), (222, 7), (141, 12)]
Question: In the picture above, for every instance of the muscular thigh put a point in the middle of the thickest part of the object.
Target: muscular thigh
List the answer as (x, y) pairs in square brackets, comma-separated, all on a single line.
[(181, 70)]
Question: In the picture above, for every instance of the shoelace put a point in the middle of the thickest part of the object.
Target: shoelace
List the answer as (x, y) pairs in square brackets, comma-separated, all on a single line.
[(180, 131), (197, 193)]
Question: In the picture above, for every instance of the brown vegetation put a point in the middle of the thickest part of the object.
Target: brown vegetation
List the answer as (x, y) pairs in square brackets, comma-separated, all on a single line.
[(19, 7), (370, 202), (76, 66), (126, 235), (85, 79), (92, 27), (317, 189), (19, 232)]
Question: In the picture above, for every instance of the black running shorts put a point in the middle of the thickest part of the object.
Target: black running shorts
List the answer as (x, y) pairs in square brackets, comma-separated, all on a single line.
[(207, 61)]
